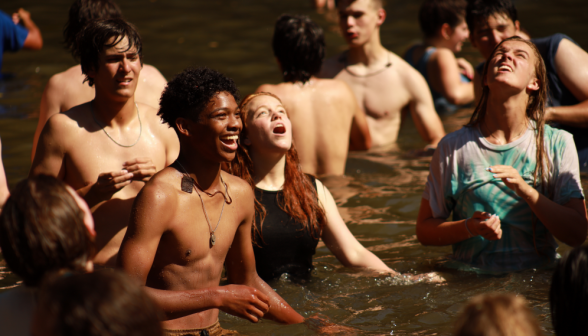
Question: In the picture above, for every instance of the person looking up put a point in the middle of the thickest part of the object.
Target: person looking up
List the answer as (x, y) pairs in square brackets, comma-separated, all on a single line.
[(103, 303), (511, 182), (106, 149), (293, 209), (191, 218), (68, 89), (450, 79), (383, 83), (326, 118), (18, 32), (44, 227), (491, 21)]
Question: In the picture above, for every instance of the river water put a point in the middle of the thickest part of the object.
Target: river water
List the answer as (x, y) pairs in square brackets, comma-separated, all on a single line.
[(380, 195)]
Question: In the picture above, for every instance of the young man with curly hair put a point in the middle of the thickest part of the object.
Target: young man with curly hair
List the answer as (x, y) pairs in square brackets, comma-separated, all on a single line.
[(108, 148), (191, 218)]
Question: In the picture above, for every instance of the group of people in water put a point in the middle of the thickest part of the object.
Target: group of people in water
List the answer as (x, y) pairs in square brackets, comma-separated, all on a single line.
[(174, 183)]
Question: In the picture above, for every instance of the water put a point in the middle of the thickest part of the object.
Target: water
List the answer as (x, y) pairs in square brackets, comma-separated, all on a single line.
[(379, 197)]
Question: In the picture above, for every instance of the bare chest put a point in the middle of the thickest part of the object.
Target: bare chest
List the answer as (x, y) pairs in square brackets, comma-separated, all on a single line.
[(382, 96), (93, 153)]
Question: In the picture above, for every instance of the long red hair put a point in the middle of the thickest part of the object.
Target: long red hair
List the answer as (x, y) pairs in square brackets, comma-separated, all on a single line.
[(299, 199)]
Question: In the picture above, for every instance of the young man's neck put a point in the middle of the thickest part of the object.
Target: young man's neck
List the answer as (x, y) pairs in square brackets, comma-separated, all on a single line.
[(372, 52), (269, 170), (114, 112), (205, 172)]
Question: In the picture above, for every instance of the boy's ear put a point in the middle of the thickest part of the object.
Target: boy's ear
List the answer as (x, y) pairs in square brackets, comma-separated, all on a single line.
[(381, 16), (446, 31), (183, 126)]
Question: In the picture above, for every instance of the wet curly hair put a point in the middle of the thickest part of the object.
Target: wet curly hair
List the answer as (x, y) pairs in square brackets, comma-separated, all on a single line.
[(188, 93)]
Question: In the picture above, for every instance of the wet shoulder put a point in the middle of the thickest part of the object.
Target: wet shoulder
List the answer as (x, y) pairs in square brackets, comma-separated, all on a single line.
[(163, 188), (557, 138), (457, 139), (238, 188), (77, 118)]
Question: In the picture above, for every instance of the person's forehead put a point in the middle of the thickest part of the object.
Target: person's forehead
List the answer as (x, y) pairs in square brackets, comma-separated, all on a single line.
[(122, 47), (221, 99), (264, 100), (515, 46), (356, 5), (493, 21)]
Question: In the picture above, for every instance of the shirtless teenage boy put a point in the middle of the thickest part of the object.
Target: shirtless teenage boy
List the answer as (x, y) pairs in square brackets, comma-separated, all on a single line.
[(324, 113), (191, 218), (68, 89), (107, 148), (383, 83), (491, 21)]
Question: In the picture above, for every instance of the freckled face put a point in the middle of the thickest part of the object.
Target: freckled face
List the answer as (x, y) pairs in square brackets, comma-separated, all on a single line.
[(268, 125)]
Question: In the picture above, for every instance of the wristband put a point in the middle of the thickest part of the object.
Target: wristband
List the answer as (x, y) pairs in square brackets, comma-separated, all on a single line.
[(467, 228)]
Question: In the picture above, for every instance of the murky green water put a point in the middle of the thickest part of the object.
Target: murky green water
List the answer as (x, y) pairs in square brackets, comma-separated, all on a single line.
[(380, 195)]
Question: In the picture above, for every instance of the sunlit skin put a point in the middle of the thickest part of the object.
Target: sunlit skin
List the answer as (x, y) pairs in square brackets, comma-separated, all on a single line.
[(269, 137), (74, 148), (511, 78), (167, 247), (371, 71), (443, 68)]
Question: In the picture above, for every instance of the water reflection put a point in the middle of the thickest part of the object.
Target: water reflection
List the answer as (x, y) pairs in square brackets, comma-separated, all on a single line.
[(380, 194)]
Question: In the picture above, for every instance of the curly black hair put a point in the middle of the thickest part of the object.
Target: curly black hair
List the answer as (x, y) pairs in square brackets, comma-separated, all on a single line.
[(188, 93)]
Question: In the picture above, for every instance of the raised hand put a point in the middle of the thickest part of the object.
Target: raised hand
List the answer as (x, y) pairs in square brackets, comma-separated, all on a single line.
[(511, 179), (465, 68), (141, 168), (244, 301)]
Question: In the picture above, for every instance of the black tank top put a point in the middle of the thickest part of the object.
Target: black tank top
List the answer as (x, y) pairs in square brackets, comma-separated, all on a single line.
[(286, 247)]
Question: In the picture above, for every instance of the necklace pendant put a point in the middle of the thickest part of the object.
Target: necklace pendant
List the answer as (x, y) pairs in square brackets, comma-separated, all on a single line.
[(212, 239), (187, 184)]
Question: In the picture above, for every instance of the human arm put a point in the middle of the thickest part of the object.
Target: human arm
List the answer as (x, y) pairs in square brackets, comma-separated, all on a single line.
[(422, 110), (240, 266), (567, 222), (34, 40), (444, 76), (4, 192), (151, 215), (359, 138), (571, 64), (341, 241), (440, 231), (50, 105)]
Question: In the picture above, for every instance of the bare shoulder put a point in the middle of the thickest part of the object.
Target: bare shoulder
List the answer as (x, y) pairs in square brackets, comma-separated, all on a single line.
[(67, 80), (161, 191), (408, 74), (443, 55), (69, 121), (151, 73), (238, 188), (331, 67)]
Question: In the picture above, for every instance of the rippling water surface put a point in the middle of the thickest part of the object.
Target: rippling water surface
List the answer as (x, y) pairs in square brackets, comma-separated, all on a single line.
[(380, 194)]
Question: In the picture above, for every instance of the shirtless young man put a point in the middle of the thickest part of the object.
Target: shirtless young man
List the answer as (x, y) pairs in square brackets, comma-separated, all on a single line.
[(191, 218), (68, 89), (383, 83), (324, 113), (491, 21), (107, 148)]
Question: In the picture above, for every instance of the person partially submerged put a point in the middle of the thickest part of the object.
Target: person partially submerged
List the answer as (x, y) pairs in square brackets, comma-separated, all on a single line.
[(191, 219)]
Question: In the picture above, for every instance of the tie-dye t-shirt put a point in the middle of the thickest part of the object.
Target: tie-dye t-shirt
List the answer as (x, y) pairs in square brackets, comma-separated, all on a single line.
[(459, 182)]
